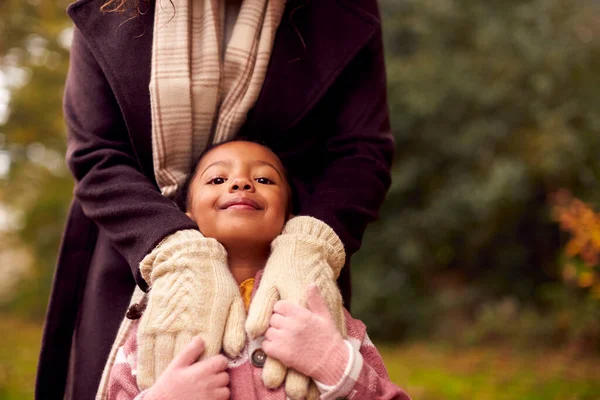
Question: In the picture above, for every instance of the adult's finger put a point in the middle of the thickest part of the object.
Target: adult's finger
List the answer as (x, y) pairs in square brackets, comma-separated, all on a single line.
[(214, 337), (273, 373), (261, 309), (145, 363), (313, 391), (296, 385), (164, 352), (234, 337)]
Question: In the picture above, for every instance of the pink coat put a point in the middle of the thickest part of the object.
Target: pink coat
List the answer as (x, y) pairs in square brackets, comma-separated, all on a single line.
[(365, 375)]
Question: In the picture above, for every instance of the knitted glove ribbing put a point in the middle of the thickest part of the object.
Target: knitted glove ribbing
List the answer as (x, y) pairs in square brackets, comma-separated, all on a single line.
[(191, 293), (307, 250)]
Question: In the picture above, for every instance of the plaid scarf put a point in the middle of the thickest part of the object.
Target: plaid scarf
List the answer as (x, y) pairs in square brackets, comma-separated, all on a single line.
[(196, 97)]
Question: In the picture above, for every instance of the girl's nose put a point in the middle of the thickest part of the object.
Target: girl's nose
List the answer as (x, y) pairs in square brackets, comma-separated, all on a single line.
[(242, 184)]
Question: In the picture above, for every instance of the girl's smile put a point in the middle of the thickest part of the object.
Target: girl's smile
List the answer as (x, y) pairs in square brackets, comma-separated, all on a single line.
[(241, 203)]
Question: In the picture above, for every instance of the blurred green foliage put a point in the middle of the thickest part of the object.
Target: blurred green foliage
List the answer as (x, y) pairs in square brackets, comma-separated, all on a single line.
[(494, 105), (37, 188)]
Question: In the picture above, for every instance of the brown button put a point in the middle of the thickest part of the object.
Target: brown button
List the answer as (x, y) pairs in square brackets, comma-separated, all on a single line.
[(259, 358)]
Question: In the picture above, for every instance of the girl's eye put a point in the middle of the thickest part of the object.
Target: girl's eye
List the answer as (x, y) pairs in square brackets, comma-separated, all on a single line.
[(265, 181), (217, 181)]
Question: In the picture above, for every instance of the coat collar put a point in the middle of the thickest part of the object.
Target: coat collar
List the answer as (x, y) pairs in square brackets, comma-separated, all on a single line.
[(333, 32)]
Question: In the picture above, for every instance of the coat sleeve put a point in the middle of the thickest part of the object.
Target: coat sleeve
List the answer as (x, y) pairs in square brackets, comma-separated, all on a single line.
[(349, 193), (110, 186)]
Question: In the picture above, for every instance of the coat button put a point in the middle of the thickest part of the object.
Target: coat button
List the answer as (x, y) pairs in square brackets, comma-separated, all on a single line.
[(259, 358)]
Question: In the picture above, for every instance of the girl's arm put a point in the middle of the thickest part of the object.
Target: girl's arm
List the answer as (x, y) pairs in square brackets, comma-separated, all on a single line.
[(365, 376), (308, 341)]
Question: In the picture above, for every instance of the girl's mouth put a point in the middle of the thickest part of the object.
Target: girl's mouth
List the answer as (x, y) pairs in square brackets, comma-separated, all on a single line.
[(241, 203)]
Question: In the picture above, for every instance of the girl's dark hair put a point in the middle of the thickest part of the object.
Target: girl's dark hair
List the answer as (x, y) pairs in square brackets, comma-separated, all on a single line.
[(181, 195)]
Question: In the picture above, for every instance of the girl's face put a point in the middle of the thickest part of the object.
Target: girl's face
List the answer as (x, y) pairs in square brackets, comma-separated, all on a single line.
[(239, 195)]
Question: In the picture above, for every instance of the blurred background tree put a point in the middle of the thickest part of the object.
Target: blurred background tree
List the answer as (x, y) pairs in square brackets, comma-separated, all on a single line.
[(495, 106), (35, 186)]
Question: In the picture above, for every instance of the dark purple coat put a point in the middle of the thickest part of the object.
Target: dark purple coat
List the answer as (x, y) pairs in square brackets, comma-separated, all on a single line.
[(322, 109)]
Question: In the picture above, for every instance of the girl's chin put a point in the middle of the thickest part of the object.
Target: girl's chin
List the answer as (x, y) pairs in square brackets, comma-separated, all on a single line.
[(235, 240)]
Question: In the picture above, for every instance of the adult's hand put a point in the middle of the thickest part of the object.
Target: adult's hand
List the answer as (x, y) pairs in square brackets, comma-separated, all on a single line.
[(306, 251), (188, 378), (192, 292)]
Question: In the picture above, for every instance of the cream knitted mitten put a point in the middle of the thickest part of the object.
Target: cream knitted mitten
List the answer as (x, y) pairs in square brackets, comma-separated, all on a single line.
[(307, 250), (191, 293)]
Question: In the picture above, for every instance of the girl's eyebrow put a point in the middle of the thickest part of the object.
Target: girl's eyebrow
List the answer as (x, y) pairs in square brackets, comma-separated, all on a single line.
[(255, 162), (262, 162), (215, 163)]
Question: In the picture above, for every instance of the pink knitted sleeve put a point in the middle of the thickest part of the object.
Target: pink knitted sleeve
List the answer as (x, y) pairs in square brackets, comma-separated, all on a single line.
[(365, 377)]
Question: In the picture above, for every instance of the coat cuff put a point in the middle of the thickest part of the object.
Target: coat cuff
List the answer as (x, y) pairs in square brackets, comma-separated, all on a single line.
[(346, 383)]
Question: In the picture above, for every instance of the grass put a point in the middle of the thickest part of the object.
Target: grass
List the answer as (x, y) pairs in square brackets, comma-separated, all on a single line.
[(19, 347), (436, 372), (426, 371)]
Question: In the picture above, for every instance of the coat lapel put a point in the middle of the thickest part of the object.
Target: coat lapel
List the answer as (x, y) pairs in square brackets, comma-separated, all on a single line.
[(333, 32)]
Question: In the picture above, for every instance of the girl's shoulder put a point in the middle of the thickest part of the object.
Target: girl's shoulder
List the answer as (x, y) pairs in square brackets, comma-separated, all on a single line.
[(356, 328)]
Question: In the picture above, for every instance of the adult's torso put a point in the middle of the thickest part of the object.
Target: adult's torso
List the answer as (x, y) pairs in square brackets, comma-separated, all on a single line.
[(314, 42), (93, 282)]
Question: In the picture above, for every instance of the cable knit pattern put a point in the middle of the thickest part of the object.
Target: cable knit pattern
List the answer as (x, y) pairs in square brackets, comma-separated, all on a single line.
[(192, 292), (307, 250)]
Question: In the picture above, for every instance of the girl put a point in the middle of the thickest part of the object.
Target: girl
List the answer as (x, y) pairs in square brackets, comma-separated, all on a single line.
[(239, 197)]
